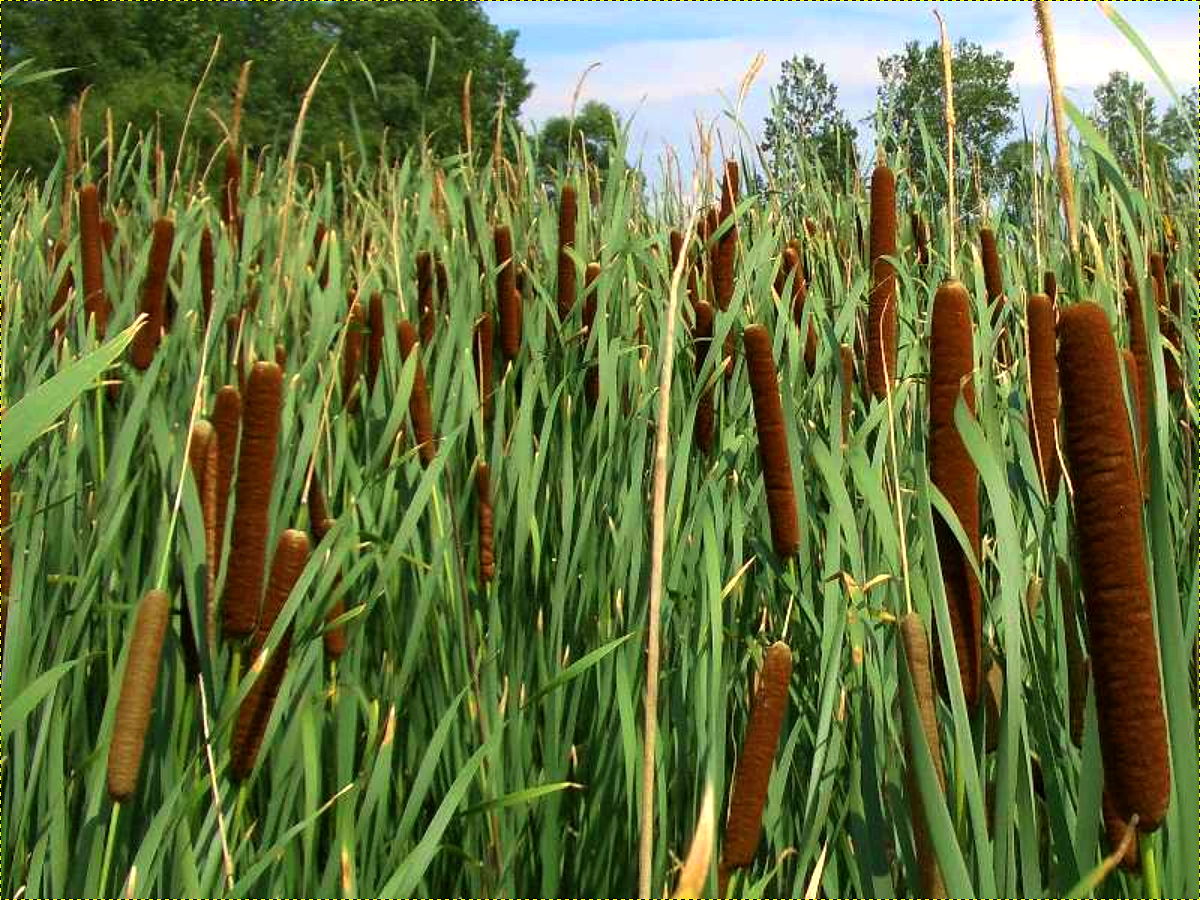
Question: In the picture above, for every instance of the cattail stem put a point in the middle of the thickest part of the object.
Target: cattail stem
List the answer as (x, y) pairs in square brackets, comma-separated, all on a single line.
[(772, 441)]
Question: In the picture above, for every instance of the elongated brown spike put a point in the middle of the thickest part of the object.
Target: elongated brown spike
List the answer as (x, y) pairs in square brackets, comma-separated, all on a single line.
[(567, 212), (702, 336), (482, 351), (207, 278), (508, 301), (483, 499), (419, 408), (154, 289), (882, 322), (1043, 378), (204, 458), (95, 300), (772, 442)]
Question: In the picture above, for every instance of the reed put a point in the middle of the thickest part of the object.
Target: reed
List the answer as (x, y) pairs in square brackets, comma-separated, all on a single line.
[(419, 408), (136, 701), (702, 333), (207, 265), (483, 500), (375, 339), (1043, 386), (291, 555), (748, 795), (149, 336), (1108, 519), (255, 476), (95, 300), (772, 442), (567, 213), (508, 301), (916, 657), (952, 364), (481, 348), (881, 319)]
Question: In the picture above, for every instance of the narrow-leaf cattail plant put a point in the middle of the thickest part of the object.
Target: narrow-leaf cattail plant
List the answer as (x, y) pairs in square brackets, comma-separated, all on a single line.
[(291, 555), (916, 656), (567, 211), (136, 701), (748, 795), (483, 498), (592, 379), (882, 324), (772, 442), (993, 280), (952, 363), (508, 301), (255, 476), (1043, 388), (154, 289), (419, 408), (227, 420), (95, 300), (1112, 563), (356, 324), (204, 458), (702, 336), (482, 353), (207, 265), (425, 298)]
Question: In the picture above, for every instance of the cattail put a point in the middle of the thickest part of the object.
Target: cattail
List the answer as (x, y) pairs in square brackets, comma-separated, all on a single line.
[(727, 246), (483, 496), (67, 284), (206, 273), (848, 367), (1140, 347), (136, 702), (772, 441), (916, 656), (881, 321), (255, 476), (1063, 171), (748, 795), (231, 188), (1050, 287), (443, 282), (1108, 519), (227, 420), (425, 301), (1115, 829), (375, 340), (507, 299), (352, 354), (1078, 667), (952, 362), (204, 459), (1169, 325), (702, 336), (108, 235), (799, 301), (993, 279), (921, 238), (95, 301), (1043, 377), (566, 241), (419, 408), (482, 351), (291, 554), (592, 379), (146, 341)]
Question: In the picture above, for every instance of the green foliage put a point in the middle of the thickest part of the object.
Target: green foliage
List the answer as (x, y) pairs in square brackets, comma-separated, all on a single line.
[(805, 117), (594, 132)]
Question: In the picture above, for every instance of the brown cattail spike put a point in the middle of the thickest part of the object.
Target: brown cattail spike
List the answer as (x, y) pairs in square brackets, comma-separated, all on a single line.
[(419, 408), (1050, 287), (425, 298), (136, 702), (567, 211), (95, 300), (255, 476), (204, 459), (356, 324), (231, 188), (702, 336), (727, 246), (1043, 388), (952, 363), (921, 239), (772, 442), (207, 266), (748, 796), (291, 555), (154, 290), (1108, 518), (916, 657), (483, 497), (508, 301), (482, 352), (993, 279), (592, 379), (882, 324)]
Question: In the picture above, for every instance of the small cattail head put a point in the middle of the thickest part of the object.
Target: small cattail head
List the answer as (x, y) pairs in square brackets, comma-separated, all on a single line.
[(136, 701), (207, 265), (483, 498), (993, 278), (375, 339), (508, 300), (352, 353), (95, 300), (772, 441), (154, 289), (425, 296), (567, 212), (882, 325), (419, 408), (482, 352), (1050, 286), (1043, 377)]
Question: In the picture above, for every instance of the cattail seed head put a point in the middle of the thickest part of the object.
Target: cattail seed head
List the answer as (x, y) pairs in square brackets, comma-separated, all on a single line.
[(231, 188), (419, 408), (136, 701), (95, 300), (443, 283), (567, 211), (204, 458), (920, 231), (993, 279), (482, 352), (882, 324), (723, 279), (592, 379), (702, 335), (425, 298), (207, 265), (952, 363), (146, 341), (255, 476), (1043, 377), (1108, 518), (508, 301), (748, 795), (1050, 287), (772, 441), (483, 497), (352, 353)]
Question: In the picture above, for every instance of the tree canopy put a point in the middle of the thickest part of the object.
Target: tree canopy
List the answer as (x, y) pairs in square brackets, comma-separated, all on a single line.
[(596, 129), (805, 113), (397, 68)]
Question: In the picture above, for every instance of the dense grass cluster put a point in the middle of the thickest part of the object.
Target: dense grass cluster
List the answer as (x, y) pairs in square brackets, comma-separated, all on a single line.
[(393, 429)]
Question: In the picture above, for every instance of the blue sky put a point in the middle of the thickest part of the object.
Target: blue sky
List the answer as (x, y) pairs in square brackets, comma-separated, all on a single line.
[(671, 61)]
